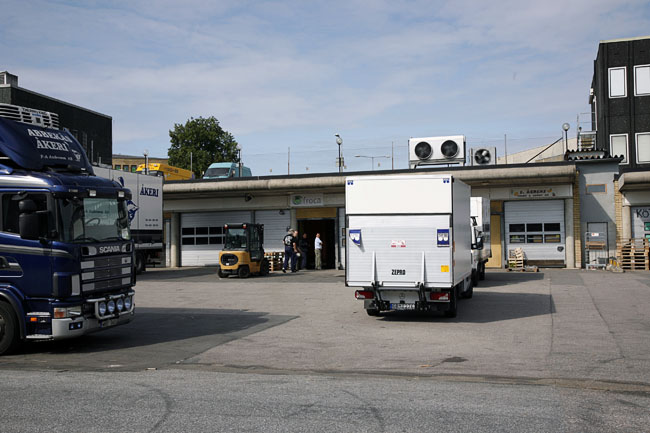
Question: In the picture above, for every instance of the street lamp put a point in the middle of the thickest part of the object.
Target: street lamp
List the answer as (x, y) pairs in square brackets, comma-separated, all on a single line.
[(566, 127), (339, 141), (239, 152), (146, 161), (372, 158)]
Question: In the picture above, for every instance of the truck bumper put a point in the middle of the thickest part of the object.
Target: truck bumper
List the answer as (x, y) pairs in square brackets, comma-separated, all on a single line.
[(76, 327)]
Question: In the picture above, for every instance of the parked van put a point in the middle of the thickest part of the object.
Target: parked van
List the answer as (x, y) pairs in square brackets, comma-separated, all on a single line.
[(225, 170)]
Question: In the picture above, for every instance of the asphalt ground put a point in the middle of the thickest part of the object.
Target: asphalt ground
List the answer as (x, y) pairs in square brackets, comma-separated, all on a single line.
[(558, 350)]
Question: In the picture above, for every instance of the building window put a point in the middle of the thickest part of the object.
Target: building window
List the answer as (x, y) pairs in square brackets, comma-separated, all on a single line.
[(597, 189), (203, 235), (118, 167), (618, 146), (617, 83), (125, 167), (643, 147), (642, 80), (134, 168)]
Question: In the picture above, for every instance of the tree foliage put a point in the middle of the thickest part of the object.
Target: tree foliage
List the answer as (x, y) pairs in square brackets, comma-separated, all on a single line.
[(205, 140)]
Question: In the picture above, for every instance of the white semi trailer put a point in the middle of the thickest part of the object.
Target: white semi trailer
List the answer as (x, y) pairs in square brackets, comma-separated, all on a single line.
[(481, 248), (409, 242), (145, 212)]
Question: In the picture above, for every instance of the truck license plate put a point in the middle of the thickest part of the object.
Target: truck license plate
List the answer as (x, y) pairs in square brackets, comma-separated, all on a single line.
[(107, 323), (402, 306)]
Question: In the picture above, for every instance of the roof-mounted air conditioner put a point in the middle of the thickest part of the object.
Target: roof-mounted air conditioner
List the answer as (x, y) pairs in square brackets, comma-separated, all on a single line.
[(483, 156), (30, 116), (437, 150)]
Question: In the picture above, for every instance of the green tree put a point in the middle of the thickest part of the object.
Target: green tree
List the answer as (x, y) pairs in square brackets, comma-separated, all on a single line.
[(205, 140)]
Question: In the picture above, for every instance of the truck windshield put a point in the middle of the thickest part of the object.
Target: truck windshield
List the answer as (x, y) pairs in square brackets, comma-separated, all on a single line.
[(93, 220), (235, 239), (217, 172)]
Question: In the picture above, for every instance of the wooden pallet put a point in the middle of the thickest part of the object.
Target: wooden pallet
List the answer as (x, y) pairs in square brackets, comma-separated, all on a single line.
[(275, 260), (633, 254), (516, 259)]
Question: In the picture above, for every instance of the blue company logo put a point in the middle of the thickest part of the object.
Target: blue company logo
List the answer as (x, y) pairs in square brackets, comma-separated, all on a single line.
[(445, 180), (131, 207), (350, 182)]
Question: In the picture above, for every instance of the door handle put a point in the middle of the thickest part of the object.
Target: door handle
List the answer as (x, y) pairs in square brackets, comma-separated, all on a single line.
[(4, 263)]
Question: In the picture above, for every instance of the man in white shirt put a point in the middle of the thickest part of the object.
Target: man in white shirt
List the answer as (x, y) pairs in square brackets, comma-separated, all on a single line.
[(318, 249)]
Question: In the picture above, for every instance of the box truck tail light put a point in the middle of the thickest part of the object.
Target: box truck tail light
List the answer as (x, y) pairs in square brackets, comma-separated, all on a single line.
[(440, 296), (364, 294)]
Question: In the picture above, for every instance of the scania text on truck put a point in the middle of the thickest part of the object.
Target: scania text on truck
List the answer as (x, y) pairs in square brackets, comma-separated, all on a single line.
[(66, 254), (409, 240), (145, 210)]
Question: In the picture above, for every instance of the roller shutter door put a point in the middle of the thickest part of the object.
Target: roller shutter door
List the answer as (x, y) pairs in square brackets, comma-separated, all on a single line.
[(640, 222), (538, 228), (202, 235), (276, 225)]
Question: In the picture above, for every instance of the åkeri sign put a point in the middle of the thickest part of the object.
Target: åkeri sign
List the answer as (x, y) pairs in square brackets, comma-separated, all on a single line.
[(306, 200)]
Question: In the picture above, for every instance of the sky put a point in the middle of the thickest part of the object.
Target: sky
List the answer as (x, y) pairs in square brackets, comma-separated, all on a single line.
[(285, 76)]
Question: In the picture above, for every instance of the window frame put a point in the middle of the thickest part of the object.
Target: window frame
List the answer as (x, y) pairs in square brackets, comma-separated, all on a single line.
[(636, 142), (595, 192), (636, 93), (609, 82), (626, 160)]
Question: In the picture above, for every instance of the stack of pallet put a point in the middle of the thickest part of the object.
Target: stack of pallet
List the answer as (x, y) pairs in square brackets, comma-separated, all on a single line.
[(275, 259), (516, 259), (632, 254)]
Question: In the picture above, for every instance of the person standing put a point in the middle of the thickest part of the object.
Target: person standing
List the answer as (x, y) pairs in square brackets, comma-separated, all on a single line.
[(303, 246), (318, 250), (295, 255), (288, 250)]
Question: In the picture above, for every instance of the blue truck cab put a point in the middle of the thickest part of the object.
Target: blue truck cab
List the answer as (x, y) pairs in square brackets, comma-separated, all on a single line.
[(226, 170), (66, 254)]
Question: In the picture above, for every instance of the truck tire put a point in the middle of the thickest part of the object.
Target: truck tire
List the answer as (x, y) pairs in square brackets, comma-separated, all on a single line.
[(244, 272), (481, 274), (453, 304), (264, 267), (467, 294), (475, 276), (221, 274), (140, 263), (8, 329)]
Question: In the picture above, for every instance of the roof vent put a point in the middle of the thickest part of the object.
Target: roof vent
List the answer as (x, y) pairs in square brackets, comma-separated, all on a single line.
[(8, 79)]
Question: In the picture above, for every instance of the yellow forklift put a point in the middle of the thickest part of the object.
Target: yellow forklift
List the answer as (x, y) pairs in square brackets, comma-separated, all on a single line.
[(243, 252)]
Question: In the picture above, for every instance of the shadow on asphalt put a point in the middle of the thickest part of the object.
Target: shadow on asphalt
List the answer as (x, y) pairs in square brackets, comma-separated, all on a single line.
[(156, 336), (502, 278), (484, 307)]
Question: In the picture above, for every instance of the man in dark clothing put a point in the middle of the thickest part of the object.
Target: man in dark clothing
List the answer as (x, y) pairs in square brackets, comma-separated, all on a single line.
[(303, 246), (290, 250)]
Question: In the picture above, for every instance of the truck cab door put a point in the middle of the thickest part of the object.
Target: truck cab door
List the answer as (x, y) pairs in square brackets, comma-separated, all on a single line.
[(25, 263)]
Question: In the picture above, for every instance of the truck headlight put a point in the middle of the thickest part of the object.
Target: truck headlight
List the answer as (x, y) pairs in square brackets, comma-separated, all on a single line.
[(101, 308), (120, 304), (128, 301), (111, 306)]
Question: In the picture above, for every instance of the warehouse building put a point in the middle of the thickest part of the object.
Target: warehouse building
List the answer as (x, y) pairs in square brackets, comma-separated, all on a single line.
[(538, 207)]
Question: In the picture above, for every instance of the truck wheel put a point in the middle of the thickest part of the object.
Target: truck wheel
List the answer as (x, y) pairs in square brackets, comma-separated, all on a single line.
[(470, 291), (8, 329), (264, 267), (221, 274), (475, 277), (140, 260), (244, 272), (453, 304), (481, 274)]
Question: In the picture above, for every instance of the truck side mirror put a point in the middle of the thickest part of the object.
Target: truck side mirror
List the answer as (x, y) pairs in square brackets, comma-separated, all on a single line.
[(478, 245), (28, 221)]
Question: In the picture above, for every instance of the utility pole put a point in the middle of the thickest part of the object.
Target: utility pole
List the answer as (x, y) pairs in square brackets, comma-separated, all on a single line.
[(505, 146), (392, 155), (190, 161), (289, 161)]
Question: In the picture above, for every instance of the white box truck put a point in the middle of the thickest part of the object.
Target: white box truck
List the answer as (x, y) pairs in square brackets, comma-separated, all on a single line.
[(481, 249), (408, 242), (145, 212)]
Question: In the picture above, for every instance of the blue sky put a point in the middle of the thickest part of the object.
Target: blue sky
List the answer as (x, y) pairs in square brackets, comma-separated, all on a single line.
[(292, 74)]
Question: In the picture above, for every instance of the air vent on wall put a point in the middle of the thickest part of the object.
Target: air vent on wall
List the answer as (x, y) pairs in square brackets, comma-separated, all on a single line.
[(437, 150), (483, 156)]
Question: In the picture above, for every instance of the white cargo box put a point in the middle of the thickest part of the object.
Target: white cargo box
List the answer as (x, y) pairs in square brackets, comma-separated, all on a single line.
[(407, 232)]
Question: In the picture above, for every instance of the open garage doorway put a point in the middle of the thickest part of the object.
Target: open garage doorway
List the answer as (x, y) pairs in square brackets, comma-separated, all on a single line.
[(327, 229)]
